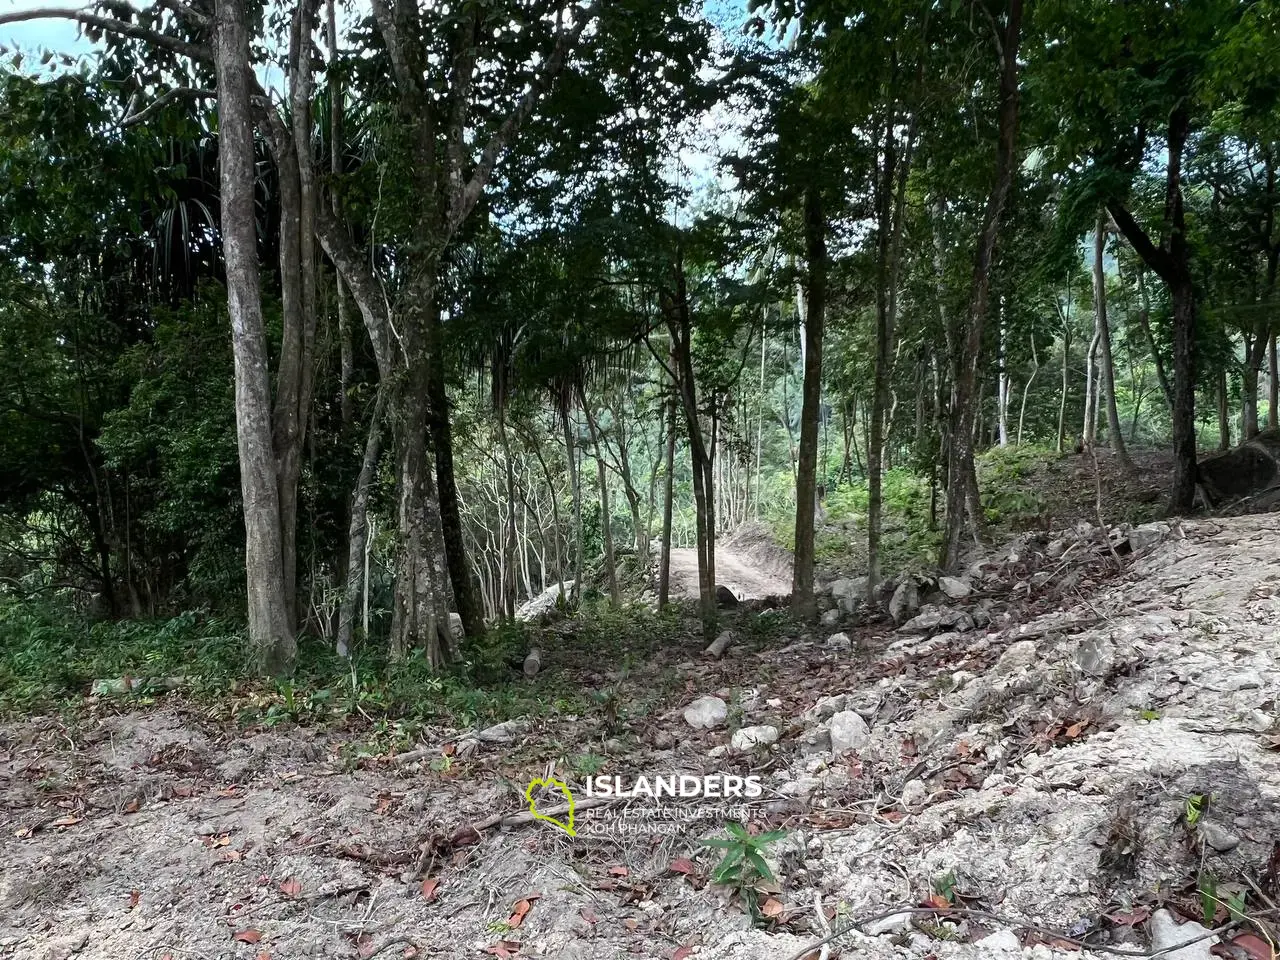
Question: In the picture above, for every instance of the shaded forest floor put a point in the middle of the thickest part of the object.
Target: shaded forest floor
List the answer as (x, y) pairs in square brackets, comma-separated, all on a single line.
[(1064, 756)]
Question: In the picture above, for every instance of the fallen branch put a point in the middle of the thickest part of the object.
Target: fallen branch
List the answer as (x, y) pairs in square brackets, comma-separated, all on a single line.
[(719, 645), (1013, 922), (526, 817)]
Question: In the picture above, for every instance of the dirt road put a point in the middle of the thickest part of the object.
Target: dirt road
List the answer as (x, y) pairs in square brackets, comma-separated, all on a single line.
[(737, 573)]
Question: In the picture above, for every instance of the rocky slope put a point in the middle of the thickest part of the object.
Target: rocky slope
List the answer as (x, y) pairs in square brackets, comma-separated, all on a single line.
[(1060, 746)]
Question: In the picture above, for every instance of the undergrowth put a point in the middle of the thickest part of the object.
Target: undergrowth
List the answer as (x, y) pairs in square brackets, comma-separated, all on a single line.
[(50, 657)]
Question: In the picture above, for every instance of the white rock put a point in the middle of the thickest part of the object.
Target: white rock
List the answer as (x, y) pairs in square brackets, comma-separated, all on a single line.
[(890, 924), (905, 601), (1001, 943), (913, 793), (801, 789), (706, 713), (1019, 655), (748, 738), (848, 588), (1166, 932), (814, 742), (928, 620), (848, 732), (954, 588)]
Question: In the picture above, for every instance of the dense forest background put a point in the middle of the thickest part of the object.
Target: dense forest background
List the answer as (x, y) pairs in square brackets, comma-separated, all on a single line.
[(525, 293)]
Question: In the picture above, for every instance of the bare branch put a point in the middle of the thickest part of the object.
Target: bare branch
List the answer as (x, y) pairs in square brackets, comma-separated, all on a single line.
[(409, 84), (464, 202), (162, 101), (193, 50), (360, 280), (189, 14)]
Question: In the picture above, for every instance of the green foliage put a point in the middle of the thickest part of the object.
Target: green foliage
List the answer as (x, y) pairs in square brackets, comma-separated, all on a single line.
[(1005, 481), (743, 867), (48, 655)]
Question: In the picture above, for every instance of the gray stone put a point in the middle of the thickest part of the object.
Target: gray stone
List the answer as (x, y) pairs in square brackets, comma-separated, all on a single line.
[(1217, 836), (748, 738), (853, 589), (706, 713), (839, 641), (1002, 943), (926, 620), (1167, 933), (890, 924), (905, 601), (801, 789), (814, 742), (831, 618), (826, 707), (913, 793), (1019, 656), (848, 732), (954, 588), (1096, 656)]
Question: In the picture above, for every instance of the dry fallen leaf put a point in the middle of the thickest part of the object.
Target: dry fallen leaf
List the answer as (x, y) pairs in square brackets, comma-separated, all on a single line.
[(430, 888), (771, 908), (409, 952), (247, 936), (66, 821), (1253, 946), (503, 948), (588, 916), (631, 924), (518, 913), (682, 953), (291, 887), (619, 871), (682, 865)]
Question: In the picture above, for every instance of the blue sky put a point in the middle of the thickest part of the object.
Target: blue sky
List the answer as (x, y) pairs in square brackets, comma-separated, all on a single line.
[(60, 36)]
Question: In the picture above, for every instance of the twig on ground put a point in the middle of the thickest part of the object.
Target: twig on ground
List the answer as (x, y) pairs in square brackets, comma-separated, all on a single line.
[(1015, 922)]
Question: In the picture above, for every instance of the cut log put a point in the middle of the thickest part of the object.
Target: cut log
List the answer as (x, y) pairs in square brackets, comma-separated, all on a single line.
[(532, 662), (719, 645)]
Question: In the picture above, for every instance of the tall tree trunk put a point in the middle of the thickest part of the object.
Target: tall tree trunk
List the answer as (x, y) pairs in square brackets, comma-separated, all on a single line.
[(346, 351), (1089, 428), (575, 487), (815, 231), (1026, 390), (1273, 385), (962, 485), (1254, 350), (1224, 411), (606, 523), (680, 325), (465, 597), (270, 631), (1004, 386), (1172, 262), (420, 608), (668, 491), (511, 542), (1066, 383), (884, 352), (358, 530), (1107, 381)]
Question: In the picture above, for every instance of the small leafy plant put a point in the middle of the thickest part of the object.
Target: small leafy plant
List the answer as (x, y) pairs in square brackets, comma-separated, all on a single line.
[(743, 867)]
